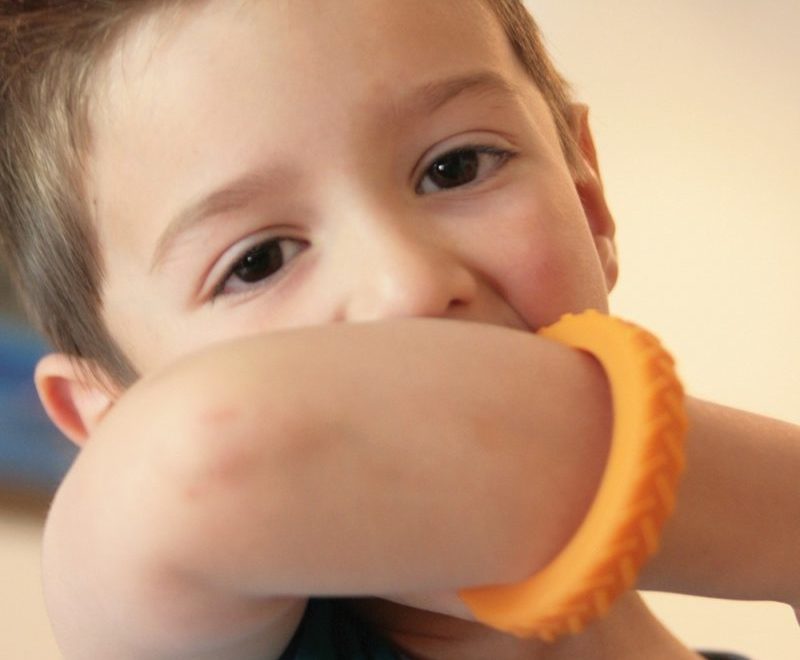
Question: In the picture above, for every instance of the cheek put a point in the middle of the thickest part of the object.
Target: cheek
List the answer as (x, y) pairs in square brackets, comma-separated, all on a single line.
[(140, 314), (549, 265)]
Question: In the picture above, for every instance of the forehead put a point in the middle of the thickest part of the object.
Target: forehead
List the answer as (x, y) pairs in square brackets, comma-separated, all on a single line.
[(285, 54), (194, 94)]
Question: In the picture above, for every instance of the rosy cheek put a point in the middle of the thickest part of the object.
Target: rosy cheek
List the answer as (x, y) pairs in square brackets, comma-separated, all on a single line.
[(540, 286), (551, 269)]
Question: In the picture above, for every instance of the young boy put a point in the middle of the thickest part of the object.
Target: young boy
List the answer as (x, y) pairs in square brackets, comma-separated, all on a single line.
[(293, 256)]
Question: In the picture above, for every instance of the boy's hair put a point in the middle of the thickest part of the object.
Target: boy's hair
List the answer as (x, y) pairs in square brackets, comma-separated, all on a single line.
[(49, 52)]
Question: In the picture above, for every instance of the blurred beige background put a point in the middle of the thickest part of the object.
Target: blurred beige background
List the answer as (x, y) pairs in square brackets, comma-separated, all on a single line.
[(696, 111)]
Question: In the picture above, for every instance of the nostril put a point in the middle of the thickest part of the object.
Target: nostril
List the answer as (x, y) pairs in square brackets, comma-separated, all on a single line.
[(435, 291)]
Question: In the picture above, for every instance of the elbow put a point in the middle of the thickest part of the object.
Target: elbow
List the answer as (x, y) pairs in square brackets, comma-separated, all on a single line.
[(223, 438), (232, 459), (148, 523)]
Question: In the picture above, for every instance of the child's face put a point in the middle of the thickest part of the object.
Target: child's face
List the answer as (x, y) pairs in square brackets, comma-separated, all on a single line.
[(262, 165)]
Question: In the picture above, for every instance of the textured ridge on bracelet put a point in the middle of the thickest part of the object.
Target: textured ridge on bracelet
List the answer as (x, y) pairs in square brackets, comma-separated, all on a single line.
[(636, 494)]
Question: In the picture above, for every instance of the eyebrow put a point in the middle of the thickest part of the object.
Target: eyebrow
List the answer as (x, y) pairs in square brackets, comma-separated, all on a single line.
[(431, 96), (236, 194)]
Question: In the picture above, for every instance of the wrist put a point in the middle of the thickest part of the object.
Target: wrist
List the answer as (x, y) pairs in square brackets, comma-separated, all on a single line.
[(635, 497)]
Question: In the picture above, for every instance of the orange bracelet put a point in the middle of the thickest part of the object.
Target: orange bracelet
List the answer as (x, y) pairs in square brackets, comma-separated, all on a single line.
[(635, 497)]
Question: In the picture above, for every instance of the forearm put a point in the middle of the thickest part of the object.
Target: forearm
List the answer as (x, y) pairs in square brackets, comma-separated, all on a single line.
[(390, 458), (475, 444), (397, 457), (736, 529)]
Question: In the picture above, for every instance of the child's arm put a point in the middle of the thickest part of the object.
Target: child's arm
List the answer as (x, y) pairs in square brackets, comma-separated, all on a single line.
[(411, 456), (736, 532)]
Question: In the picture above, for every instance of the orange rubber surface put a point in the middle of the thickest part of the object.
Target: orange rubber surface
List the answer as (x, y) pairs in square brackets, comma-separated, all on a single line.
[(635, 497)]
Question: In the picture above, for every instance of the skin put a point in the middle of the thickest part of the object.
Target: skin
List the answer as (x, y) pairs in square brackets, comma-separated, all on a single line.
[(337, 180), (515, 249)]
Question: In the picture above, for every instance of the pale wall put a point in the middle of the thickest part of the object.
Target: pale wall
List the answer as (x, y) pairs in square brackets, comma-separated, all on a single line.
[(696, 111), (26, 632)]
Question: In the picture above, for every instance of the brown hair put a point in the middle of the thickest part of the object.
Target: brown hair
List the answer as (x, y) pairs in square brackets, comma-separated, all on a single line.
[(49, 50)]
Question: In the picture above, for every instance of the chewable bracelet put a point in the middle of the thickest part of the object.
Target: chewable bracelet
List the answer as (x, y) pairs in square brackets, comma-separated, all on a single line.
[(635, 497)]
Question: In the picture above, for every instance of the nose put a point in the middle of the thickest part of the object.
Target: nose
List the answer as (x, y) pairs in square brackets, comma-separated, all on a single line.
[(407, 274)]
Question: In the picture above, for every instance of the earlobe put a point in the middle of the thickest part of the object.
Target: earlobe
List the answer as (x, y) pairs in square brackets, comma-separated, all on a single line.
[(589, 185), (74, 399)]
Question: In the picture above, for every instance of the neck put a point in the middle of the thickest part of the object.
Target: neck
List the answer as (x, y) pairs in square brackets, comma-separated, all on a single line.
[(628, 632)]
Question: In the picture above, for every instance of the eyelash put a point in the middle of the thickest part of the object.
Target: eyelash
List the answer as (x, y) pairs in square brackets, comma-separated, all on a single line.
[(259, 248), (499, 155)]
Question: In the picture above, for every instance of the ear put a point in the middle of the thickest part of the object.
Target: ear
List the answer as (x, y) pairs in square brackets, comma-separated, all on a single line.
[(589, 185), (74, 398)]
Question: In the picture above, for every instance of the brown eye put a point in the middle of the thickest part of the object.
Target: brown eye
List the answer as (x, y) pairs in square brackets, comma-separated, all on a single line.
[(462, 167), (260, 264), (455, 169)]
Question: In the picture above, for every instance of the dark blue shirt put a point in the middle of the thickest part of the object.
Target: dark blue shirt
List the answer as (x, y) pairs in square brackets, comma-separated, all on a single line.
[(330, 631)]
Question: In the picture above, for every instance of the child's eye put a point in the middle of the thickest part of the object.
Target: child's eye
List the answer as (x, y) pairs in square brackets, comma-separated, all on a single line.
[(259, 264), (462, 167)]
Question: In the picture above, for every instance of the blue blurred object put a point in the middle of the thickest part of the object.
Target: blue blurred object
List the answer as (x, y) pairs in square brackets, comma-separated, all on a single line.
[(33, 454)]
